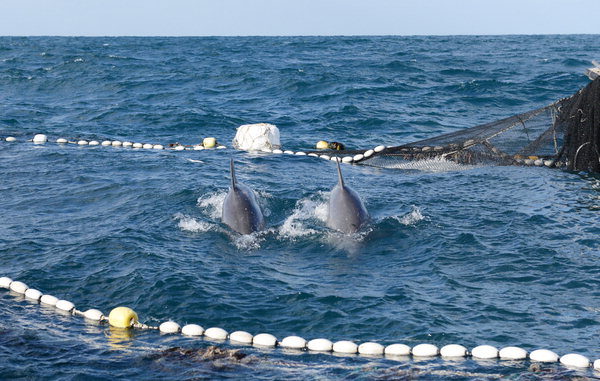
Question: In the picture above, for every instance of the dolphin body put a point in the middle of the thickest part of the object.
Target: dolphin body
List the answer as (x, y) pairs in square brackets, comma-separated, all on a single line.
[(346, 211), (241, 211)]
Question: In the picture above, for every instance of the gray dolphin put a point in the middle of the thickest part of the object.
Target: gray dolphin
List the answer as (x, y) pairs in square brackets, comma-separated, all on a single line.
[(346, 211), (241, 211)]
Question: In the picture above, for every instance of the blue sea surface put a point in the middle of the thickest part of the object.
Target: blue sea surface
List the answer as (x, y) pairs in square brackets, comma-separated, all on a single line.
[(498, 255)]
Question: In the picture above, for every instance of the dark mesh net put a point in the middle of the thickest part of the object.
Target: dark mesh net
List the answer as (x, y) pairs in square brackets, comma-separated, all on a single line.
[(564, 134)]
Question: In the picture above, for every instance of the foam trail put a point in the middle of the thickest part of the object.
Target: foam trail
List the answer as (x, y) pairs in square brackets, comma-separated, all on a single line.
[(191, 224)]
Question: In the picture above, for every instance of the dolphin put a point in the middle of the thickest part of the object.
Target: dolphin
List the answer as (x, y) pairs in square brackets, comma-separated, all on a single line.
[(241, 211), (346, 212)]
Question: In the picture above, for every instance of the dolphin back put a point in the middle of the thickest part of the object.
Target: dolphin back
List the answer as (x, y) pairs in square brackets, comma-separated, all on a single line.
[(241, 211), (346, 211)]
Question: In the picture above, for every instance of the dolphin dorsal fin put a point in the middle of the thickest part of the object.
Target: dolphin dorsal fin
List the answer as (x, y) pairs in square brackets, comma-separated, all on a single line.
[(340, 178), (232, 170)]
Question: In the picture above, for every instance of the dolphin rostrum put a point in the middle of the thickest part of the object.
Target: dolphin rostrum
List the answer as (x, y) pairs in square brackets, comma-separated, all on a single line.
[(241, 211), (346, 211)]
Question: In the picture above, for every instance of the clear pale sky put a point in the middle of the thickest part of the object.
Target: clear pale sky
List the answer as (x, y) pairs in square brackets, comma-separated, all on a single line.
[(296, 17)]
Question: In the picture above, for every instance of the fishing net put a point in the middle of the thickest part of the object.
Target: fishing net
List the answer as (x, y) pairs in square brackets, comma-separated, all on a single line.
[(563, 134)]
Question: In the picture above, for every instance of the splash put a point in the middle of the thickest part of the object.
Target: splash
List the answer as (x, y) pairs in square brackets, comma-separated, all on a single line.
[(191, 224), (212, 204), (305, 210), (411, 218)]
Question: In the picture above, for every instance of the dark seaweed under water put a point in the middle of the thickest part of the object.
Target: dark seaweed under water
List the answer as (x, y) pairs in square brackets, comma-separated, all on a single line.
[(470, 255)]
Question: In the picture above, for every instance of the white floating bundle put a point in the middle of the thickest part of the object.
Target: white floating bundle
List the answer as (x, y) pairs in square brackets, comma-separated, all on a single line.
[(265, 340), (192, 330), (293, 342), (40, 139), (241, 337), (256, 137), (169, 327)]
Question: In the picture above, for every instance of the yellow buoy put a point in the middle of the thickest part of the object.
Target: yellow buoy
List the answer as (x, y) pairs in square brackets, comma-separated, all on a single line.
[(122, 317), (209, 142), (322, 144)]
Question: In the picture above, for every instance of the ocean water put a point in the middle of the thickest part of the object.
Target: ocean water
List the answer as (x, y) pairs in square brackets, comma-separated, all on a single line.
[(505, 256)]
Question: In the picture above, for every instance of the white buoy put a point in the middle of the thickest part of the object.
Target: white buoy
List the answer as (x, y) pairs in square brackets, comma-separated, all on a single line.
[(547, 163), (266, 150), (18, 287), (425, 350), (326, 157), (277, 151), (40, 139), (93, 314), (512, 353), (198, 147), (138, 145), (347, 159), (378, 148), (158, 146), (216, 333), (300, 153), (82, 142), (62, 141), (106, 143), (5, 282), (453, 350), (241, 337), (369, 153), (179, 148), (370, 348), (33, 294), (192, 330), (293, 342), (127, 144), (221, 147), (11, 139), (320, 345), (169, 327), (94, 142), (288, 152), (345, 346), (485, 352), (358, 157), (575, 360), (543, 355), (265, 340), (397, 350), (596, 364), (538, 162), (49, 300), (64, 305), (117, 143), (255, 137), (147, 146)]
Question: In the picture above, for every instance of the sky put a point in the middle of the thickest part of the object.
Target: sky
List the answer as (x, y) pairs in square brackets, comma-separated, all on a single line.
[(296, 17)]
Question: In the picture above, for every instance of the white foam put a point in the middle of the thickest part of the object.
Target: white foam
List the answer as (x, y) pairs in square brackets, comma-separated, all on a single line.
[(212, 203), (295, 225), (191, 224), (411, 218)]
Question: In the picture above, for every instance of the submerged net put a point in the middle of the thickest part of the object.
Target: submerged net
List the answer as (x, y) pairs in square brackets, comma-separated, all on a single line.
[(563, 134)]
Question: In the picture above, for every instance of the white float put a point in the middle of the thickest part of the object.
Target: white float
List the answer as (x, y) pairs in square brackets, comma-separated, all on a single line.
[(300, 153), (106, 143), (216, 333), (40, 139), (127, 144), (370, 348), (18, 287), (179, 148), (485, 352), (575, 360), (192, 330), (265, 340), (378, 148), (345, 346), (158, 146), (33, 294), (82, 142), (138, 145), (453, 350), (11, 139), (369, 153), (277, 151), (543, 355), (93, 314), (62, 141), (241, 337), (147, 146), (117, 143), (5, 282), (425, 350), (320, 345), (596, 364), (221, 147), (256, 137), (326, 157), (49, 300), (64, 305), (313, 155), (169, 327), (358, 157), (347, 159), (288, 152), (397, 350), (94, 142), (293, 342), (198, 147), (512, 353)]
